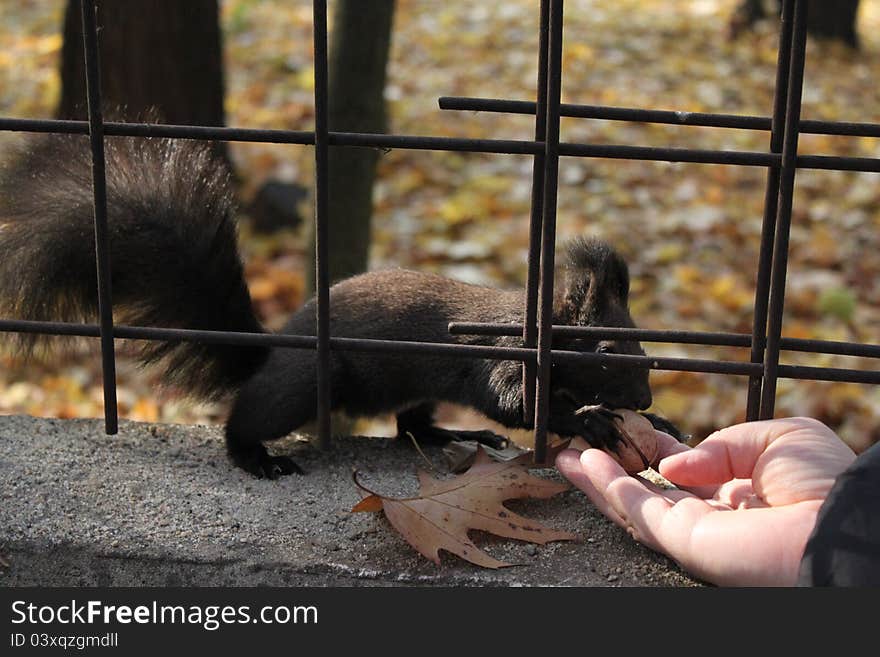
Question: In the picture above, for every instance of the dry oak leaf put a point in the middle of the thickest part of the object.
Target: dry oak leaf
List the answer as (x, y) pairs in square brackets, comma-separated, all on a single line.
[(446, 510)]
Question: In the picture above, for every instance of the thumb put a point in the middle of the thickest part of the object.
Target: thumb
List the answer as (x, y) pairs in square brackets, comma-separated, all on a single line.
[(730, 453)]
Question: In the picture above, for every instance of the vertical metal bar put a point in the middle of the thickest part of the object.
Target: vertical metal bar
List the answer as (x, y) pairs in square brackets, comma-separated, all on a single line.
[(99, 188), (783, 219), (530, 328), (322, 272), (771, 205), (548, 233)]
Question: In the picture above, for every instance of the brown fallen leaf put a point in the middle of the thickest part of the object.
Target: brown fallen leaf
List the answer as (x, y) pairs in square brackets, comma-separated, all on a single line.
[(446, 510)]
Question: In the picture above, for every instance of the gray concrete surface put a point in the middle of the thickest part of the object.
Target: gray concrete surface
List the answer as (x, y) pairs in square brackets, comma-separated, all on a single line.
[(160, 505)]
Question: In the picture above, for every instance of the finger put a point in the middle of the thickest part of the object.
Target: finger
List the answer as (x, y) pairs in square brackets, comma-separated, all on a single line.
[(709, 542), (673, 527), (639, 509), (738, 494), (667, 445), (676, 494), (704, 492), (593, 473), (800, 466), (706, 541), (568, 462), (733, 451), (671, 494), (654, 520)]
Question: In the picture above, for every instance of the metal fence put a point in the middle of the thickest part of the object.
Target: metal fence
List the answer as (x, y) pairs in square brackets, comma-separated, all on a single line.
[(782, 161)]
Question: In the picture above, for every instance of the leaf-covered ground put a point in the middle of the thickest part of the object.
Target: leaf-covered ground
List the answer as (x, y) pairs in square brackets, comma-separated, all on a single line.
[(690, 232)]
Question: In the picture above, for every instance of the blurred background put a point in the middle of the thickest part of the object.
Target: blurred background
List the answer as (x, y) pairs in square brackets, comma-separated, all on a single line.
[(690, 232)]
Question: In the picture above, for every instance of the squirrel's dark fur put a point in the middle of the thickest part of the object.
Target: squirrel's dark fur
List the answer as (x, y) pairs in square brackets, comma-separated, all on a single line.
[(175, 263), (174, 255)]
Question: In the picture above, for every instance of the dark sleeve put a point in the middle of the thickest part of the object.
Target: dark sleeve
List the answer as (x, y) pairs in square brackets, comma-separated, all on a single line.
[(844, 548)]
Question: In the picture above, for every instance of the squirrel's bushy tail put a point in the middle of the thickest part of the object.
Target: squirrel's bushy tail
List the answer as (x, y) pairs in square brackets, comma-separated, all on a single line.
[(173, 249)]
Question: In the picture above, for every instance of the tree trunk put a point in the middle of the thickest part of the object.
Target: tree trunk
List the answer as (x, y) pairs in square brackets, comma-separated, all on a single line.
[(359, 46), (158, 57)]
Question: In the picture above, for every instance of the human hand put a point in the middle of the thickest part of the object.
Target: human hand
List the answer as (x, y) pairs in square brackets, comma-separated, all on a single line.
[(747, 499)]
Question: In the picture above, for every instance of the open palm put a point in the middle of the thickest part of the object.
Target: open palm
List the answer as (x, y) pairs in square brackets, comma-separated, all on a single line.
[(746, 501)]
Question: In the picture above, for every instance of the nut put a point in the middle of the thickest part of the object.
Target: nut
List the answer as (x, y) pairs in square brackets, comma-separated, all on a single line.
[(638, 448)]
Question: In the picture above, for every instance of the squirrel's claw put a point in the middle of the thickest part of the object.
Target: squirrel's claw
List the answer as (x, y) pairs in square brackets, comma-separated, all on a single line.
[(599, 428), (263, 465), (434, 435), (278, 466)]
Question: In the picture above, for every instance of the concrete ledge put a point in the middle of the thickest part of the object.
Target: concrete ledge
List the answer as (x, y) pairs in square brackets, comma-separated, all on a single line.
[(160, 505)]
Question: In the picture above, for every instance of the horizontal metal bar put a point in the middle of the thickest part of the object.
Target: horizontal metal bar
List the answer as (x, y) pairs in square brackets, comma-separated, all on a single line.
[(696, 119), (432, 348), (365, 140), (830, 347), (270, 340), (418, 142), (51, 328), (670, 117), (673, 336), (665, 154), (659, 363), (608, 333), (839, 163), (369, 140), (441, 349), (118, 129), (605, 112), (45, 125), (839, 375)]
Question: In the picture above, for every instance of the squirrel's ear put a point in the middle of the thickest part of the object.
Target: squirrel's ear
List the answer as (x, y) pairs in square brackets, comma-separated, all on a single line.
[(622, 271), (596, 277), (575, 293)]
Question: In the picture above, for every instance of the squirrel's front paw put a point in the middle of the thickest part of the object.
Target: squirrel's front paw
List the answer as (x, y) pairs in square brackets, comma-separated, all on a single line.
[(599, 428)]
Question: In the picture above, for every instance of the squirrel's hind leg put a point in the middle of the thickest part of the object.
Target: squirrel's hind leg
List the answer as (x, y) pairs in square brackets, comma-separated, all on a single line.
[(245, 448), (280, 398)]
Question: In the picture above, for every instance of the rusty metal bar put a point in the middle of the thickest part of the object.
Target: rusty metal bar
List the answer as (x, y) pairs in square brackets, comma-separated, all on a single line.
[(454, 350), (322, 256), (667, 117), (530, 326), (548, 232), (771, 206), (709, 338), (783, 218), (99, 189), (457, 144)]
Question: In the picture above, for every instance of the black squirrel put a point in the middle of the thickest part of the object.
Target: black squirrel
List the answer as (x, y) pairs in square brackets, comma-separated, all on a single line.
[(175, 263)]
